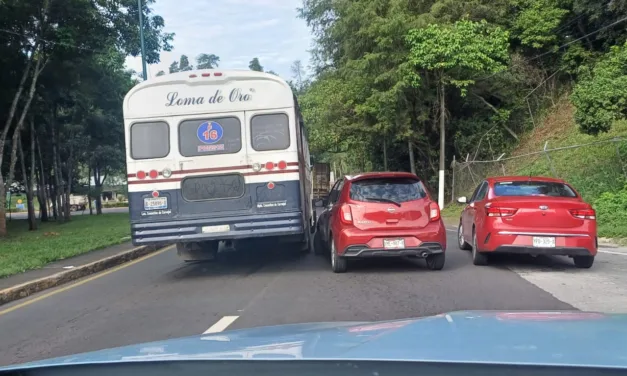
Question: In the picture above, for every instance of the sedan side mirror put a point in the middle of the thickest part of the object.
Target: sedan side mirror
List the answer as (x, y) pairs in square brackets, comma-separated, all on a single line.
[(462, 200)]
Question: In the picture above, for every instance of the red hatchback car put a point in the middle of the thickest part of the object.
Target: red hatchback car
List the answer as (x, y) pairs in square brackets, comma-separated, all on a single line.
[(529, 215), (382, 214)]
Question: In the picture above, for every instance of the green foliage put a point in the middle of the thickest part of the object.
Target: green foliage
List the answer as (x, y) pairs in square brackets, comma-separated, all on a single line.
[(460, 51), (536, 22), (601, 94), (203, 61), (611, 208), (255, 65)]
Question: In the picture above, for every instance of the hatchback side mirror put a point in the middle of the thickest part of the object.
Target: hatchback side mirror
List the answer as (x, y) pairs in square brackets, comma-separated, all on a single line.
[(462, 200)]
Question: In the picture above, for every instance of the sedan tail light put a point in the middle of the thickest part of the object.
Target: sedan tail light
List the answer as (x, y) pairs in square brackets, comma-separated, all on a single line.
[(496, 211), (434, 212), (583, 213), (346, 215)]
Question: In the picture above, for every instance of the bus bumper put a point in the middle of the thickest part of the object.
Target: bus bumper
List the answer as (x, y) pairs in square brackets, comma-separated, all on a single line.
[(236, 227)]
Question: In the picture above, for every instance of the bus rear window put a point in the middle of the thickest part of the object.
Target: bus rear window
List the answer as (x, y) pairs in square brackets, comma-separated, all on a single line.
[(270, 132), (210, 136), (533, 188), (150, 140)]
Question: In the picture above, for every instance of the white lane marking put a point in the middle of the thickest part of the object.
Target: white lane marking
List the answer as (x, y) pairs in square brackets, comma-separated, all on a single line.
[(222, 324), (449, 318)]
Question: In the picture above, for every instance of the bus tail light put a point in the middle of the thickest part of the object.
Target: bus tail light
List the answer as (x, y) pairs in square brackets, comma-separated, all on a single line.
[(270, 165), (141, 175), (192, 76), (270, 185), (217, 74), (153, 174), (282, 165), (206, 74)]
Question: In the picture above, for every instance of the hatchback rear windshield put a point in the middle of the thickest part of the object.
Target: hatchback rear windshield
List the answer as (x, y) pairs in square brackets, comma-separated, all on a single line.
[(387, 189), (533, 188)]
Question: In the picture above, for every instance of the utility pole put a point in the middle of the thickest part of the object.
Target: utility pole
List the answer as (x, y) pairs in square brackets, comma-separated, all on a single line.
[(141, 37)]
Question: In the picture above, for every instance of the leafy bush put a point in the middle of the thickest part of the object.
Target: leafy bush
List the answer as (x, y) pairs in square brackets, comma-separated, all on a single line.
[(612, 213)]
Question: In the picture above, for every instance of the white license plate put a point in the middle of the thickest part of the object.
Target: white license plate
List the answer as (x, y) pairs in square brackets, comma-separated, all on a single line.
[(543, 242), (155, 203), (394, 243), (214, 229)]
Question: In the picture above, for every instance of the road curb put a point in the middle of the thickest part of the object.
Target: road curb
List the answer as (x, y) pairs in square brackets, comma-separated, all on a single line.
[(28, 288)]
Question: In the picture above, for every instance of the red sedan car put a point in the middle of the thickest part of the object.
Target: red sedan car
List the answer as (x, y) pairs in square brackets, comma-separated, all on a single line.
[(530, 215), (383, 214)]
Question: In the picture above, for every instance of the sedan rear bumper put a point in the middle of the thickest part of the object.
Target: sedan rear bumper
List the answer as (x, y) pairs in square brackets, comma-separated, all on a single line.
[(536, 251), (363, 251)]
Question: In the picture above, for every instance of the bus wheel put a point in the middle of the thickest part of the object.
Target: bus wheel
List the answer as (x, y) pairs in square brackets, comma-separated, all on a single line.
[(198, 251)]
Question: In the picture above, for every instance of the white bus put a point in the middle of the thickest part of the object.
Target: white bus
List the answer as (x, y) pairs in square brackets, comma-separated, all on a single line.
[(215, 155)]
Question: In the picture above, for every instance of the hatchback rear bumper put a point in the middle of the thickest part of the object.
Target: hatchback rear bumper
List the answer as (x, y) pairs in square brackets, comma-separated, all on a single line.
[(557, 251), (363, 251)]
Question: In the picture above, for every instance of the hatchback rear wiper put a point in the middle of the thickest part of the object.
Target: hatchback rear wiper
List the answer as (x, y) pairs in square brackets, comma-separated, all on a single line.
[(383, 200)]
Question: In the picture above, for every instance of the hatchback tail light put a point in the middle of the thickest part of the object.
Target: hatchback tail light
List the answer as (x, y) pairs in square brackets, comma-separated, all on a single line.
[(496, 211), (434, 212), (583, 213), (346, 215)]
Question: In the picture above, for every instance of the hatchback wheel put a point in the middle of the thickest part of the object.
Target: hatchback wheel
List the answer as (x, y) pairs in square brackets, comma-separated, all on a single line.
[(478, 258), (319, 248), (338, 263), (436, 262), (583, 262), (463, 245)]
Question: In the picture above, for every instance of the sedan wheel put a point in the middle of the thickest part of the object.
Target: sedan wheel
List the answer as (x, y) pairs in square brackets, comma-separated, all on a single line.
[(460, 239), (478, 258), (338, 263)]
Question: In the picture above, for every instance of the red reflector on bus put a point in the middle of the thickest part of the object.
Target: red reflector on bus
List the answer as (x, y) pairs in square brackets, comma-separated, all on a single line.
[(192, 76), (154, 174), (141, 175), (155, 194), (217, 74), (282, 165), (271, 185), (270, 165), (206, 74)]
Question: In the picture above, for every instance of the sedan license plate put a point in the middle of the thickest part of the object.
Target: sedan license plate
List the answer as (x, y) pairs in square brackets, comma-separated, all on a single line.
[(214, 229), (543, 242), (394, 243), (155, 203)]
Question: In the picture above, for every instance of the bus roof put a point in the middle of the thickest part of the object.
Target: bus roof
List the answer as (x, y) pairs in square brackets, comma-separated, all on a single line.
[(207, 91)]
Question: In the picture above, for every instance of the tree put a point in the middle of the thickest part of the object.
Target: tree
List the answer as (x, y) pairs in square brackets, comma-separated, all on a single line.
[(255, 65), (601, 94), (207, 61), (456, 54)]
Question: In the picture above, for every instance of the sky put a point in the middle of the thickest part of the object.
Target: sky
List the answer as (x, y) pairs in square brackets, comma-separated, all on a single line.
[(236, 31)]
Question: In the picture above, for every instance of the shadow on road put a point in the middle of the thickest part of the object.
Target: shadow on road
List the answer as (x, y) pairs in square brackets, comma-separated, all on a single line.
[(539, 263)]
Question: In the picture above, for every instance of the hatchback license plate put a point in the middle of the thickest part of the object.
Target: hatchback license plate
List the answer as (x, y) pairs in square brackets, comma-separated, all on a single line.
[(543, 242), (155, 203), (394, 243)]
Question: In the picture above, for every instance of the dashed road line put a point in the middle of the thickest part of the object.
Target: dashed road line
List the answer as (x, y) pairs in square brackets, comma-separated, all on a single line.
[(221, 325)]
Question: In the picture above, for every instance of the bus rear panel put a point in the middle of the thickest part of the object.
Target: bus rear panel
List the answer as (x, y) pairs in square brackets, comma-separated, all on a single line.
[(216, 159)]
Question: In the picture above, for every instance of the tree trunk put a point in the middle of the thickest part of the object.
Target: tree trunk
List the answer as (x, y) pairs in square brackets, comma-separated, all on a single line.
[(98, 184), (385, 153), (442, 144), (5, 132), (28, 181), (91, 210), (68, 185), (58, 190), (44, 194), (412, 159)]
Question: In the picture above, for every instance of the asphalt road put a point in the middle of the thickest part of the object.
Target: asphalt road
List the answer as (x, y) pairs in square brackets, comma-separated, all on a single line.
[(160, 297)]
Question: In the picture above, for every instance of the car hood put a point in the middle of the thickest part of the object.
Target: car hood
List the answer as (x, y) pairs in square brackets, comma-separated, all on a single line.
[(548, 338)]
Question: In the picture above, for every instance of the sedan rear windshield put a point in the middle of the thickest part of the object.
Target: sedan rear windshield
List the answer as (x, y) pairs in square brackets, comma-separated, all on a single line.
[(387, 189), (533, 188)]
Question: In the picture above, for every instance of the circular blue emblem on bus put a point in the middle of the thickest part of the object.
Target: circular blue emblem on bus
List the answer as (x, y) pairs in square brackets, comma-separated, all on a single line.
[(210, 132)]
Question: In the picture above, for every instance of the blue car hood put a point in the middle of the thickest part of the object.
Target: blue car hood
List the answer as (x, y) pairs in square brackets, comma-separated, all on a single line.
[(540, 338)]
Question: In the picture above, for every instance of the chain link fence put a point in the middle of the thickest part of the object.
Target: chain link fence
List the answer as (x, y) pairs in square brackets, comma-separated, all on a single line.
[(605, 161)]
